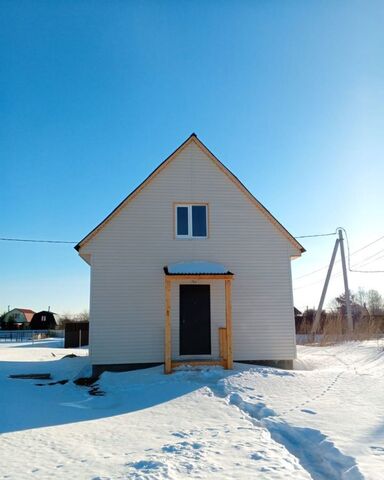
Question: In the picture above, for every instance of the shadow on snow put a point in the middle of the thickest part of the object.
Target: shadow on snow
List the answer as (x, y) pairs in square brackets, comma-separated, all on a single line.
[(25, 405)]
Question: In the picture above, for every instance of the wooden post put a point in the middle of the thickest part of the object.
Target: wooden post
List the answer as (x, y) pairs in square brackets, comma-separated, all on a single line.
[(167, 345), (228, 322), (223, 344)]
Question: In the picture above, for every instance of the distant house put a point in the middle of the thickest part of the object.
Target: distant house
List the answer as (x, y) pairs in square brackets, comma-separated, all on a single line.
[(190, 268), (18, 317), (298, 319), (297, 312), (44, 320)]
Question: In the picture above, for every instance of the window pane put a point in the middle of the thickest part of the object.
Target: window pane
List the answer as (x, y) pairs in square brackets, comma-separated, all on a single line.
[(182, 220), (199, 220)]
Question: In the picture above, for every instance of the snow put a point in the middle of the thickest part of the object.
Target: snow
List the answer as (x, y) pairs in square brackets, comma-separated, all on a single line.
[(197, 267), (324, 420)]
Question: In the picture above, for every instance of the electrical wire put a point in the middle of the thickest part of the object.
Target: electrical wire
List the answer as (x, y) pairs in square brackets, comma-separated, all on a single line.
[(33, 240), (368, 259), (311, 273), (349, 254), (317, 235), (367, 263), (29, 240), (338, 274), (64, 241), (365, 246)]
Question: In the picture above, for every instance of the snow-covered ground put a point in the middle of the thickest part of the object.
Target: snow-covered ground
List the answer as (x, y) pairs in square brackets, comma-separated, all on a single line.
[(324, 420)]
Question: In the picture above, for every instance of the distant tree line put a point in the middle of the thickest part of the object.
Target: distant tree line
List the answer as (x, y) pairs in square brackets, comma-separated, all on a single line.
[(366, 306), (74, 317)]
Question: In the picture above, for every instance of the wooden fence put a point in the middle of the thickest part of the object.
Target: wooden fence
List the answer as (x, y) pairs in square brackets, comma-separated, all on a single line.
[(76, 334)]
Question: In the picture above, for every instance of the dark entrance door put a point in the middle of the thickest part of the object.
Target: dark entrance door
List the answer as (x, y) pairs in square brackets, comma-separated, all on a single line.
[(195, 320)]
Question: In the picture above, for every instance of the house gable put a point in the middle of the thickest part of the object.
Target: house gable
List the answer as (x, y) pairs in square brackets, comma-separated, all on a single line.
[(128, 257), (22, 314), (192, 143)]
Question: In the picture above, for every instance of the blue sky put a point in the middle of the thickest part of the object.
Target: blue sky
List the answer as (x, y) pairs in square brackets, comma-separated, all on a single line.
[(94, 94)]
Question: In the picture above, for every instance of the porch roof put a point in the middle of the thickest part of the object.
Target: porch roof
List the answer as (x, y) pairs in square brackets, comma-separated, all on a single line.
[(196, 267)]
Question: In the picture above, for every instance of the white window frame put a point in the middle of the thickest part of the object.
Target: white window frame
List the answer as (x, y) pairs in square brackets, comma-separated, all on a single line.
[(190, 231)]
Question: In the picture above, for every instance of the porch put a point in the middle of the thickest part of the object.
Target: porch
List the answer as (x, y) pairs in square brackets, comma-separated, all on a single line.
[(192, 273)]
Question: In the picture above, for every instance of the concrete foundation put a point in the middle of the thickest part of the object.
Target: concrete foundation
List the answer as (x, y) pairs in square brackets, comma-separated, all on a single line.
[(97, 370)]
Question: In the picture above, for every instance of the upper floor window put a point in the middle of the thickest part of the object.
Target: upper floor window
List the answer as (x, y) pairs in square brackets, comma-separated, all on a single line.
[(191, 221)]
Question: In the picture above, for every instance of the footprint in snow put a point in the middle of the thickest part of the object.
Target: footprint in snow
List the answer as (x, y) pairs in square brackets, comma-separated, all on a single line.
[(256, 456), (180, 434), (146, 465), (179, 447), (377, 450), (306, 410), (213, 431)]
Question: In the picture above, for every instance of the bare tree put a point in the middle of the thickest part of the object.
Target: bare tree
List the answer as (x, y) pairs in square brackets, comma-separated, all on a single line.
[(371, 299), (81, 316), (375, 302), (361, 296), (68, 317)]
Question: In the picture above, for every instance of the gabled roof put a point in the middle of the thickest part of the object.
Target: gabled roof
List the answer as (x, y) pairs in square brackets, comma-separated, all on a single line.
[(47, 312), (24, 310), (193, 138), (28, 314)]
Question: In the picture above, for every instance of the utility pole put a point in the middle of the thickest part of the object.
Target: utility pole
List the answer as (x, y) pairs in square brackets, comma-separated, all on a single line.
[(339, 241), (316, 323), (346, 288)]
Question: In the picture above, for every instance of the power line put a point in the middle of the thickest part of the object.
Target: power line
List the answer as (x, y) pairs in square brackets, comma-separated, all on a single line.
[(30, 240), (365, 260), (316, 283), (317, 235), (33, 240), (365, 246), (311, 273), (370, 261), (307, 285), (349, 255)]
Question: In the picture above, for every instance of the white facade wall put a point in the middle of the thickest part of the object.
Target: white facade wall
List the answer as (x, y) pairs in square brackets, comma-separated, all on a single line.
[(129, 253)]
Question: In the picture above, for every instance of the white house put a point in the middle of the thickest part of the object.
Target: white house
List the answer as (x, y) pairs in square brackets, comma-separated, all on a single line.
[(190, 267)]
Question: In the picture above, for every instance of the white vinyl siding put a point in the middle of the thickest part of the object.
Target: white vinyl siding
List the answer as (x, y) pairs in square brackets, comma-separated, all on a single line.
[(128, 256)]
